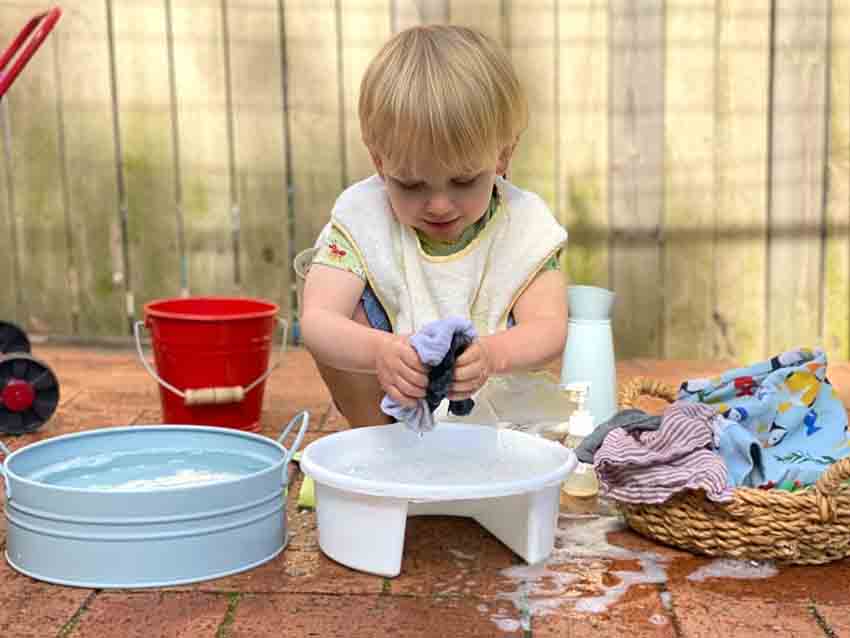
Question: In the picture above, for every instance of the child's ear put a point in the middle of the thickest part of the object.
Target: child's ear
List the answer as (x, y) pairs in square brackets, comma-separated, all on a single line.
[(505, 159)]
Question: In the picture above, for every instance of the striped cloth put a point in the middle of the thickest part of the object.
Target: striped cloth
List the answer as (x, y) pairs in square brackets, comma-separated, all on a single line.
[(649, 467)]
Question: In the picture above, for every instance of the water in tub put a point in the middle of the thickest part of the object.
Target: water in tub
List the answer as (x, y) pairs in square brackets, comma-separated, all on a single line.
[(149, 469), (425, 463)]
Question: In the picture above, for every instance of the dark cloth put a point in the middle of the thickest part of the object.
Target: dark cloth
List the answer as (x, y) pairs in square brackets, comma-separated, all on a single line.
[(631, 420), (441, 377)]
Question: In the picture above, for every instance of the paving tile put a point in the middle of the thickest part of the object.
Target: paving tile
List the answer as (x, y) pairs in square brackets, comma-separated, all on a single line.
[(836, 618), (294, 571), (301, 524), (446, 555), (161, 614), (632, 541), (366, 616), (839, 375), (2, 518), (705, 614), (273, 421), (674, 371), (297, 381), (312, 434), (802, 584), (642, 615), (81, 419), (334, 421), (148, 417), (32, 609)]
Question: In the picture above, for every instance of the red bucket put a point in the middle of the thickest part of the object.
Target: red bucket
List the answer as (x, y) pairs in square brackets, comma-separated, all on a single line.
[(212, 358)]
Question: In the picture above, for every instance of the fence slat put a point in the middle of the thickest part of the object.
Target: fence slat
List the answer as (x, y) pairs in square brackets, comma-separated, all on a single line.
[(365, 27), (314, 102), (260, 160), (837, 255), (689, 191), (583, 175), (42, 241), (87, 114), (636, 178), (484, 15), (204, 150), (797, 159), (144, 108), (532, 38), (407, 13), (741, 157)]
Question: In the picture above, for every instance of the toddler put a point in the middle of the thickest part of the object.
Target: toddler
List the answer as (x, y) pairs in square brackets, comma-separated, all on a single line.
[(437, 232)]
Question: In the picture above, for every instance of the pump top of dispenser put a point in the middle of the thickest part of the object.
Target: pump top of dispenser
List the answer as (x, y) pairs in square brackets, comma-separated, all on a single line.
[(581, 420)]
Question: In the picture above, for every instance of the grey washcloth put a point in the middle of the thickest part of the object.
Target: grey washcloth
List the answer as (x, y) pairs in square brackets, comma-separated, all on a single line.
[(630, 420)]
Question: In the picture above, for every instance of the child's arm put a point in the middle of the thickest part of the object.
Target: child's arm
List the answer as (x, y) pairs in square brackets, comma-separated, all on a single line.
[(334, 338), (537, 338)]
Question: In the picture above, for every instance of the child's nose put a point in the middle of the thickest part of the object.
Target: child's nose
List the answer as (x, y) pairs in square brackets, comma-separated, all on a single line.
[(439, 203)]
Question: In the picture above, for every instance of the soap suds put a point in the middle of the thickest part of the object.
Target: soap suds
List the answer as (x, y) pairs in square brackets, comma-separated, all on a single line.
[(724, 568)]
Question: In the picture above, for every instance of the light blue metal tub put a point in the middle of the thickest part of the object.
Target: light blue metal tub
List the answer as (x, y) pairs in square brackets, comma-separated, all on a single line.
[(147, 506)]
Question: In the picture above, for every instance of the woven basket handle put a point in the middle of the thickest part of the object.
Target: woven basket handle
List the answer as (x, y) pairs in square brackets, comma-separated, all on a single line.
[(828, 485), (644, 386)]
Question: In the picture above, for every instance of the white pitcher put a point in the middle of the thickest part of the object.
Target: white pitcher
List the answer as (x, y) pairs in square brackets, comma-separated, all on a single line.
[(589, 353)]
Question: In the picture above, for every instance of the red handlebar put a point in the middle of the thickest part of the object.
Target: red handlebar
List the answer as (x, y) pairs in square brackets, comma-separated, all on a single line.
[(44, 22)]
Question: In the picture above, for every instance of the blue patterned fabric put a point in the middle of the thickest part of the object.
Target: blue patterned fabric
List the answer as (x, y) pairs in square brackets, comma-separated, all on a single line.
[(783, 420)]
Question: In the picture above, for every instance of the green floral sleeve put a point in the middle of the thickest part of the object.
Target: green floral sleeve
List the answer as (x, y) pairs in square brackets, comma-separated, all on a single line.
[(336, 251)]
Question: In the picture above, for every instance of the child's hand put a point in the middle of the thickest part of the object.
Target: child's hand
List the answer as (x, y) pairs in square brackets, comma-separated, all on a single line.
[(472, 370), (400, 371)]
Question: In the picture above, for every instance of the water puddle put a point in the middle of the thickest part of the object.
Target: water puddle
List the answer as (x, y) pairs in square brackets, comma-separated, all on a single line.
[(723, 568), (576, 576)]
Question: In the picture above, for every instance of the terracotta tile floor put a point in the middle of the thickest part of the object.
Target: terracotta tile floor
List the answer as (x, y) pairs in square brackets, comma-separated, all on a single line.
[(456, 580)]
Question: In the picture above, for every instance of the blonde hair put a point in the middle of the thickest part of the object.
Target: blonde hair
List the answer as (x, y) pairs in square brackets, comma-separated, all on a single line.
[(445, 90)]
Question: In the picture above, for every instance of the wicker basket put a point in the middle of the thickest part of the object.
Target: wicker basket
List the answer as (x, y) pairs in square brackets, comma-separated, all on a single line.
[(811, 526)]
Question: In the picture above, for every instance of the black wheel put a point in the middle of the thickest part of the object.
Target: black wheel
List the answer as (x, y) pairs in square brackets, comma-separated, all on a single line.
[(12, 338), (29, 393)]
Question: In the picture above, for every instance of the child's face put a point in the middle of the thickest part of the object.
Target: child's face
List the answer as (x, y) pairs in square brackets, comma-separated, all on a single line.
[(439, 203)]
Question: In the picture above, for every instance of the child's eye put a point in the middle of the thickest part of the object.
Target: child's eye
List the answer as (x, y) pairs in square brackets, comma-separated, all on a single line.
[(409, 186), (465, 181)]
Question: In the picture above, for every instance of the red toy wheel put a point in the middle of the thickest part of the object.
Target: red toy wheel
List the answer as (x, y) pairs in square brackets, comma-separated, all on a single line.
[(29, 393)]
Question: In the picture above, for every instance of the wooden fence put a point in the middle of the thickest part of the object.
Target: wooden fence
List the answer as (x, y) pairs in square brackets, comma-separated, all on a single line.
[(698, 151)]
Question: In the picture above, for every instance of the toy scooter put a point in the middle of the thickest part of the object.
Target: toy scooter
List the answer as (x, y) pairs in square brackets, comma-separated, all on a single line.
[(29, 391)]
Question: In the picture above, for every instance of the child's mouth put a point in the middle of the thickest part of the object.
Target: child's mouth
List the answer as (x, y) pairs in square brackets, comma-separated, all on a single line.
[(441, 224)]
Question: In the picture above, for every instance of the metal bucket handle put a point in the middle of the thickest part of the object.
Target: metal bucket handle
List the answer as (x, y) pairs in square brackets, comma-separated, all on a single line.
[(210, 396), (304, 416), (6, 452)]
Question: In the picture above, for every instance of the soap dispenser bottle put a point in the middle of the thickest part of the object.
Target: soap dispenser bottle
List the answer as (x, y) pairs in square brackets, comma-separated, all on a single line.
[(582, 482)]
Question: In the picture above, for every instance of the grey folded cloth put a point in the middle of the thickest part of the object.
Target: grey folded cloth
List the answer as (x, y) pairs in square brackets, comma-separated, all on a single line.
[(630, 420)]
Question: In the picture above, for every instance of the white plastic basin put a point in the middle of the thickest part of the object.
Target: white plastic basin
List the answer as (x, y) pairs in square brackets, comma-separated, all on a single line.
[(369, 480)]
